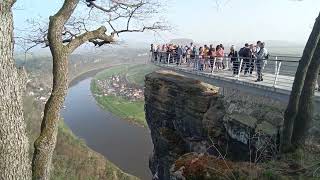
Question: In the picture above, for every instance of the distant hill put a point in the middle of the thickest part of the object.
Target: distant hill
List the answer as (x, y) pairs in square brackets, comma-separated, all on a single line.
[(182, 41), (277, 43), (285, 47)]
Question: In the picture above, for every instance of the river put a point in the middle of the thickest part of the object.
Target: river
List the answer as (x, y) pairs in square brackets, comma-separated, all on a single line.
[(127, 145)]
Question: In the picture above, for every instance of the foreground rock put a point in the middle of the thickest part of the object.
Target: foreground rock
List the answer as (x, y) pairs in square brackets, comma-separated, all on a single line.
[(186, 115)]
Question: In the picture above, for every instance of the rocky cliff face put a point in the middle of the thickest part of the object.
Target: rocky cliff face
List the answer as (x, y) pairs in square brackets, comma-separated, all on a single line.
[(186, 115)]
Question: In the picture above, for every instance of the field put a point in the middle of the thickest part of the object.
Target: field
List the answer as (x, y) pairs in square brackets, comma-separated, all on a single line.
[(121, 107)]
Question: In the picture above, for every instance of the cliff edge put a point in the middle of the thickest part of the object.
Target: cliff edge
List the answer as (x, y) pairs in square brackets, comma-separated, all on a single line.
[(189, 118)]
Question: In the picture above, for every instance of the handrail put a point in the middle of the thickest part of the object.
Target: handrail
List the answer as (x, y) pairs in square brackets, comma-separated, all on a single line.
[(298, 57), (273, 76), (276, 58)]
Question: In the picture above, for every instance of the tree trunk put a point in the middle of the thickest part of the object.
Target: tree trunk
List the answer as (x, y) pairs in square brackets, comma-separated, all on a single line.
[(14, 146), (292, 108), (46, 142), (303, 120)]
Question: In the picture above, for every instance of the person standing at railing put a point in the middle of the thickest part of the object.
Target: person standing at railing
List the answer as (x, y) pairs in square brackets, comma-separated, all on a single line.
[(212, 56), (219, 55), (179, 55), (240, 53), (192, 45), (201, 59), (206, 57), (152, 52), (195, 53), (224, 60), (173, 51), (169, 56), (257, 47), (245, 54), (163, 52), (261, 56), (233, 55), (188, 56), (252, 58), (185, 52), (157, 53)]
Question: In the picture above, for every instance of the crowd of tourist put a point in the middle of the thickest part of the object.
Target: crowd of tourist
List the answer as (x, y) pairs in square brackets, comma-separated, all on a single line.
[(210, 58)]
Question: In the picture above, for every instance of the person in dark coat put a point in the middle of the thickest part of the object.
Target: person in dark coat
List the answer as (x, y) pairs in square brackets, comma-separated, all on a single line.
[(245, 55), (233, 55)]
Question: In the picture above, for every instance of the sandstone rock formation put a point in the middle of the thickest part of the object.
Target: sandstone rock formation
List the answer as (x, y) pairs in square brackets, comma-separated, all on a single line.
[(186, 115)]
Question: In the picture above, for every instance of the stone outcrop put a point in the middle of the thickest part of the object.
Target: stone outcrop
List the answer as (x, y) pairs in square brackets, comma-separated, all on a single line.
[(186, 115), (193, 166)]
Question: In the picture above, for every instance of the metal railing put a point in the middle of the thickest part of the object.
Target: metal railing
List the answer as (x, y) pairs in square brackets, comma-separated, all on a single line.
[(276, 71)]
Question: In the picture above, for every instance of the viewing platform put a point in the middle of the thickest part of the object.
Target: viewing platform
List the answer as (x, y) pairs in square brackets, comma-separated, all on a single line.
[(278, 76)]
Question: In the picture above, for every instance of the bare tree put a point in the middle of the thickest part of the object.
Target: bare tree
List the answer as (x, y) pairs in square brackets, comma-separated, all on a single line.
[(64, 35), (302, 81), (14, 146), (304, 116)]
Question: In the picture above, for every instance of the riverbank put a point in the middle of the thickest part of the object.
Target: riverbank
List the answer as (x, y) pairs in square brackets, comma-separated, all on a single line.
[(126, 145), (72, 159), (119, 90)]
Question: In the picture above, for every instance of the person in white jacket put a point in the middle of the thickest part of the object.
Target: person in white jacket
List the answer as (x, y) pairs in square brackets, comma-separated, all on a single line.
[(261, 55)]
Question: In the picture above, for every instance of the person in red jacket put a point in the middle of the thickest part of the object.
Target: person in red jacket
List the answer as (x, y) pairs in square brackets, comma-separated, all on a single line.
[(220, 55)]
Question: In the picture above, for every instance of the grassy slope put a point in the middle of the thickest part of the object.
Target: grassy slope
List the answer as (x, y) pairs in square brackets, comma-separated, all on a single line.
[(119, 106), (72, 159)]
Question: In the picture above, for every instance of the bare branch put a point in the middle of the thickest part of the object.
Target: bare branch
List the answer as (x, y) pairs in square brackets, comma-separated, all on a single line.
[(120, 16), (91, 36), (91, 3), (129, 10), (156, 26)]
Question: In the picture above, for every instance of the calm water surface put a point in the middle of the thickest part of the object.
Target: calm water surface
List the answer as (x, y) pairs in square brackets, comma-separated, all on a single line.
[(126, 145)]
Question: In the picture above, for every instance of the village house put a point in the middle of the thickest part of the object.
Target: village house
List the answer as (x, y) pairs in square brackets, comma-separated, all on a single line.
[(118, 85)]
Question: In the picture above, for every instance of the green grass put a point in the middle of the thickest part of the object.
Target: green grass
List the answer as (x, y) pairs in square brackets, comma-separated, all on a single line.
[(121, 107), (122, 69)]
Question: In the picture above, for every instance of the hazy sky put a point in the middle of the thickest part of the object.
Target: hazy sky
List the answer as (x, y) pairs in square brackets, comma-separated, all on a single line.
[(203, 20)]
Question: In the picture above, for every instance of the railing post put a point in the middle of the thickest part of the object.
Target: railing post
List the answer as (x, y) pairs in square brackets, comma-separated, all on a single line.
[(158, 57), (239, 69), (226, 60), (277, 73), (214, 64), (150, 56), (193, 60), (197, 63), (276, 66)]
